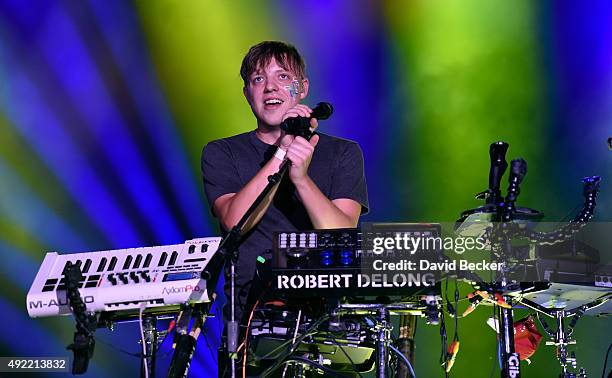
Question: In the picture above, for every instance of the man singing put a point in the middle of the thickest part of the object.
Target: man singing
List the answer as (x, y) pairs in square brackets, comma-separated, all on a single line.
[(325, 186)]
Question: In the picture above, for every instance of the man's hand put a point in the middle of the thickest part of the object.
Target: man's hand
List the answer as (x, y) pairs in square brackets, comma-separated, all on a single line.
[(299, 150), (297, 111), (300, 153)]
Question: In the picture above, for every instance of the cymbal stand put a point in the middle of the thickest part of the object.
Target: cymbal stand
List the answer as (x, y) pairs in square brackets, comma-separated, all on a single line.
[(561, 339)]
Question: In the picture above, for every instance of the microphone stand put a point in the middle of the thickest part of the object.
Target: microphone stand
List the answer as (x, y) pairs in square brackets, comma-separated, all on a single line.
[(86, 322), (185, 340), (228, 252), (228, 249)]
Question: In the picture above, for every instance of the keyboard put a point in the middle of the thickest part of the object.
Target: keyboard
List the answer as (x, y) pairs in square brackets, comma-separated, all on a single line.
[(124, 280)]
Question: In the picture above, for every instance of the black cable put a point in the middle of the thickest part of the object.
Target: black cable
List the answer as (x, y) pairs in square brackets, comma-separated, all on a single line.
[(399, 354), (495, 358), (443, 341), (219, 315), (603, 372), (456, 336), (577, 315), (448, 304), (549, 331), (288, 352), (166, 336), (281, 346)]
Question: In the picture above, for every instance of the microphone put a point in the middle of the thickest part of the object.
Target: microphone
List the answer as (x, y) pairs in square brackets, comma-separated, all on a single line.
[(323, 110), (300, 126)]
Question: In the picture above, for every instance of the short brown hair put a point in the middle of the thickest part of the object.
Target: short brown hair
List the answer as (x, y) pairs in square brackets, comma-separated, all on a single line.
[(261, 54)]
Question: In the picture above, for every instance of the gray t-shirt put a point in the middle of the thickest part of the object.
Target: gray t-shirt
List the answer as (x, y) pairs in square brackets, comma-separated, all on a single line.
[(229, 163)]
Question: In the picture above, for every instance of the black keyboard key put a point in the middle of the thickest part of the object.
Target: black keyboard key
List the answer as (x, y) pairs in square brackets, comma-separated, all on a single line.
[(102, 265), (112, 264), (128, 261), (162, 259), (87, 266), (173, 258), (147, 261)]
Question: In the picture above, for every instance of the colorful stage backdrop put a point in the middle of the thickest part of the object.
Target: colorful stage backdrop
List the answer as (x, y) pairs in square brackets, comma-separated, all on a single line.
[(105, 106)]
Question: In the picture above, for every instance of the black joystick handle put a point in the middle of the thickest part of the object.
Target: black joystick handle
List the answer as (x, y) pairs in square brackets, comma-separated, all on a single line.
[(497, 153), (518, 170)]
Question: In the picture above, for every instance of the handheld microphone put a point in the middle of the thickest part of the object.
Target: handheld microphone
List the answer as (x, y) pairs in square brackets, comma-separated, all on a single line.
[(300, 126), (323, 110)]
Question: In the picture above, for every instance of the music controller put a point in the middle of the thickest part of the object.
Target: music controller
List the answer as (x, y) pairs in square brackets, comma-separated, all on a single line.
[(125, 279), (339, 262)]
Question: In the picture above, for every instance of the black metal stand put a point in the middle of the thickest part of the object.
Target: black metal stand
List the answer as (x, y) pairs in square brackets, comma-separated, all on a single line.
[(148, 360), (383, 336), (511, 366), (185, 339), (86, 323), (228, 248), (383, 326), (405, 343), (511, 363), (502, 212), (228, 253), (562, 336)]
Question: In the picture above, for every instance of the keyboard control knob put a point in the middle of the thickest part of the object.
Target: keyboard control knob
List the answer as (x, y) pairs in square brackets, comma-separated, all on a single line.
[(145, 276), (123, 278)]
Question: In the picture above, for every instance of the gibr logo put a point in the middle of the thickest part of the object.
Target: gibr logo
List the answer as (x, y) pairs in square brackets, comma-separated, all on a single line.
[(513, 366)]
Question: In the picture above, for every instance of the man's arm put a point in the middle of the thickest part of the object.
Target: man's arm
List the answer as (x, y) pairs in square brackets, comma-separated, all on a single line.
[(323, 213), (231, 207)]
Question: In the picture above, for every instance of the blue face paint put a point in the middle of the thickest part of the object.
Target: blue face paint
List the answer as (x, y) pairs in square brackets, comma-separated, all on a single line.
[(296, 88)]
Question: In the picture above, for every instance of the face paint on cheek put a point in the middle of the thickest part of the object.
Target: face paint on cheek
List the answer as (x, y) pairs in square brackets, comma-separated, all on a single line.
[(295, 89)]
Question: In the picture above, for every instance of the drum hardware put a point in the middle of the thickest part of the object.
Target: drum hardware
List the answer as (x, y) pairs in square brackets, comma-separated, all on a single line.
[(501, 221), (561, 339)]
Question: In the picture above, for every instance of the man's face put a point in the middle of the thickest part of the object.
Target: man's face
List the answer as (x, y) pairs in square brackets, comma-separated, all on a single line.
[(268, 94)]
